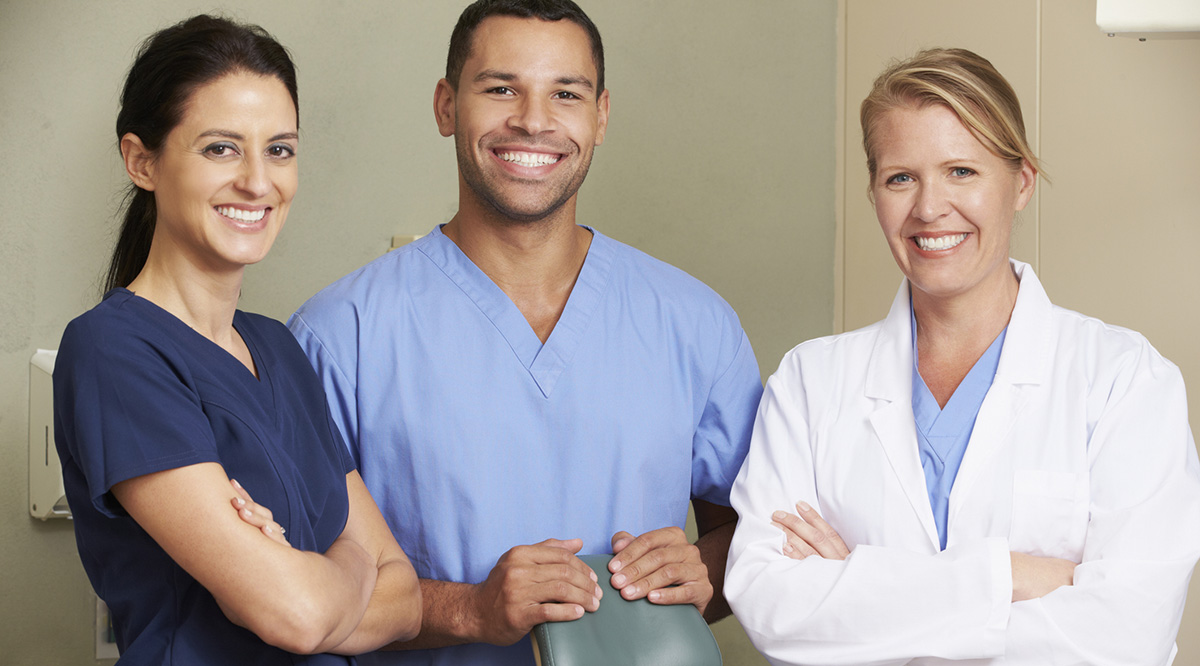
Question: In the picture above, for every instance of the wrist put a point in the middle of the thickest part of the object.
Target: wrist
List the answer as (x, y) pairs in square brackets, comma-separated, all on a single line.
[(469, 625)]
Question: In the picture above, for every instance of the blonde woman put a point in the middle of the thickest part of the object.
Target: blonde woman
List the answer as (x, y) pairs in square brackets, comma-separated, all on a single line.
[(982, 476)]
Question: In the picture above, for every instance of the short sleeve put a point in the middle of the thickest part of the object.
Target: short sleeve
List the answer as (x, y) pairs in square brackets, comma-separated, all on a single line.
[(345, 461), (125, 405), (340, 390), (723, 434)]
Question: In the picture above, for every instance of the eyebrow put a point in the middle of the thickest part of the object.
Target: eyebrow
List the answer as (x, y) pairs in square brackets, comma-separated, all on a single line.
[(226, 134), (495, 74)]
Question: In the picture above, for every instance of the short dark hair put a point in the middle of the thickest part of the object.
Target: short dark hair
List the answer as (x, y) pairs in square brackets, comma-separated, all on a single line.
[(546, 10), (171, 64)]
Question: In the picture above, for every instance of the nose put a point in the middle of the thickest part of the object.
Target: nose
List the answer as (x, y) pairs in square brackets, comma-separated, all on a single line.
[(532, 116), (932, 202), (252, 178)]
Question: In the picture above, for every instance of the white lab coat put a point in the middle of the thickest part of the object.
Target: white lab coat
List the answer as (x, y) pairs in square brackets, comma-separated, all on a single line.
[(1081, 450)]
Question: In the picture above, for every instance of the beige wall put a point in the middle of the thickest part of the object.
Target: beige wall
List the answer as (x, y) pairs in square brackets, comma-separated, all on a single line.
[(718, 159), (1116, 123)]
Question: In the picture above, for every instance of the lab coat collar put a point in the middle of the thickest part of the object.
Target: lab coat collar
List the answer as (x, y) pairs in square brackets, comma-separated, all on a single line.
[(1027, 346), (1024, 359)]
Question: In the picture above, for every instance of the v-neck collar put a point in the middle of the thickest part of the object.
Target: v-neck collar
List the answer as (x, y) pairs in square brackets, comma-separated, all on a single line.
[(545, 362), (960, 410), (213, 350)]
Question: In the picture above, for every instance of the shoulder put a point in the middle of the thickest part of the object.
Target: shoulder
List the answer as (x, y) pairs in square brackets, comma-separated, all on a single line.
[(113, 314), (119, 329), (383, 277), (277, 345), (644, 278), (266, 329), (1104, 349), (826, 353), (1095, 332)]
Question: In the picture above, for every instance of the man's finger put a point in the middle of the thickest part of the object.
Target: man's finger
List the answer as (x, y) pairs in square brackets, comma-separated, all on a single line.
[(620, 540), (682, 594), (646, 543), (551, 612), (670, 573), (570, 545), (563, 592)]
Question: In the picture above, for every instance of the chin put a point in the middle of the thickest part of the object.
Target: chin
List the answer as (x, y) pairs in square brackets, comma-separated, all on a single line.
[(246, 256), (527, 214)]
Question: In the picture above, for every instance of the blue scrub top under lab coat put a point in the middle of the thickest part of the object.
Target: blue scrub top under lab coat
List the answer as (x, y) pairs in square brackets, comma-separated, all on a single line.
[(944, 432)]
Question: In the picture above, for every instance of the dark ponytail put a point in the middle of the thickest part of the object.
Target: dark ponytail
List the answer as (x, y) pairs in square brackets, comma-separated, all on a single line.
[(171, 64)]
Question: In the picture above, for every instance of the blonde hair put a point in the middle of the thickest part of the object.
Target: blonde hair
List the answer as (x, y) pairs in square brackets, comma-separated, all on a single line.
[(962, 81)]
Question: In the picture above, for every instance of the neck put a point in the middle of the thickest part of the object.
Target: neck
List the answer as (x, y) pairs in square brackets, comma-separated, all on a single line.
[(534, 263), (965, 320), (954, 332), (202, 299), (524, 255)]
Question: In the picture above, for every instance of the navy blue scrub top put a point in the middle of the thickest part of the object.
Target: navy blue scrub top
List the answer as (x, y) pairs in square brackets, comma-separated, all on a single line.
[(137, 391)]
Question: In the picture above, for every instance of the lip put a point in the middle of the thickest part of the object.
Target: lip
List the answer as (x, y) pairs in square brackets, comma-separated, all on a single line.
[(245, 225), (938, 251), (527, 170)]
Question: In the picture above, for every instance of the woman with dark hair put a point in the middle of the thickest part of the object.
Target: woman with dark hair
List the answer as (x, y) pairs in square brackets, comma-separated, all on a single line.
[(171, 405)]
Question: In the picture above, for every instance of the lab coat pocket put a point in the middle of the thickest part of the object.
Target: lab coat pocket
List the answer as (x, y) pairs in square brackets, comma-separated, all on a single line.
[(1049, 513)]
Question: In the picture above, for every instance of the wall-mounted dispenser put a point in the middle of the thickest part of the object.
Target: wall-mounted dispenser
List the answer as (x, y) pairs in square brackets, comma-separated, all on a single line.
[(46, 496)]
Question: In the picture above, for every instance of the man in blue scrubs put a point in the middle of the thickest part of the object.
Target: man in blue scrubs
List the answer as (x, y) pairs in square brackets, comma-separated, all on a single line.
[(517, 389)]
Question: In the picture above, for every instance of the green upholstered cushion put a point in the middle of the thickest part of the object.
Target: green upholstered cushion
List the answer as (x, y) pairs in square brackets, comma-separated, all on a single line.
[(629, 633)]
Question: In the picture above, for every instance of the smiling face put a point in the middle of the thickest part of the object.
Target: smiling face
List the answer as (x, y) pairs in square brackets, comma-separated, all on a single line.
[(525, 118), (945, 202), (225, 175)]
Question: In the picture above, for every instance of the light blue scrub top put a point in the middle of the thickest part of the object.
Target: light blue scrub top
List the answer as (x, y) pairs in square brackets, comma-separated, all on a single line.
[(474, 437), (943, 432)]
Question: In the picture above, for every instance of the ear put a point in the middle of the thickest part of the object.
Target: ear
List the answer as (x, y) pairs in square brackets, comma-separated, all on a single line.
[(1027, 178), (602, 109), (443, 107), (139, 161)]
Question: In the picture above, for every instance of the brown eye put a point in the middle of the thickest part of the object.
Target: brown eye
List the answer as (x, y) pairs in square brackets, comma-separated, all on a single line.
[(219, 149)]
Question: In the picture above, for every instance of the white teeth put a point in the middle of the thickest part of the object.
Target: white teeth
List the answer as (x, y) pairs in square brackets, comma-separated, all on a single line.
[(940, 242), (528, 159), (243, 215)]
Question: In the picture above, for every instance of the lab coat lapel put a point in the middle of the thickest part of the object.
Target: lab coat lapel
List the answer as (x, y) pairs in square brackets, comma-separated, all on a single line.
[(1024, 364), (889, 379)]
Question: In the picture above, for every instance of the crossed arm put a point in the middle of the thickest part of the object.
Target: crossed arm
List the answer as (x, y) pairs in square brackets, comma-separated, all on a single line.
[(976, 599), (806, 533), (359, 594)]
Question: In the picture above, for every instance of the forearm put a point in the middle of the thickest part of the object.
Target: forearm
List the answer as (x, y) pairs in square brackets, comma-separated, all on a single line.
[(714, 552), (393, 613), (299, 601), (876, 606), (317, 599), (449, 616), (1117, 612)]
